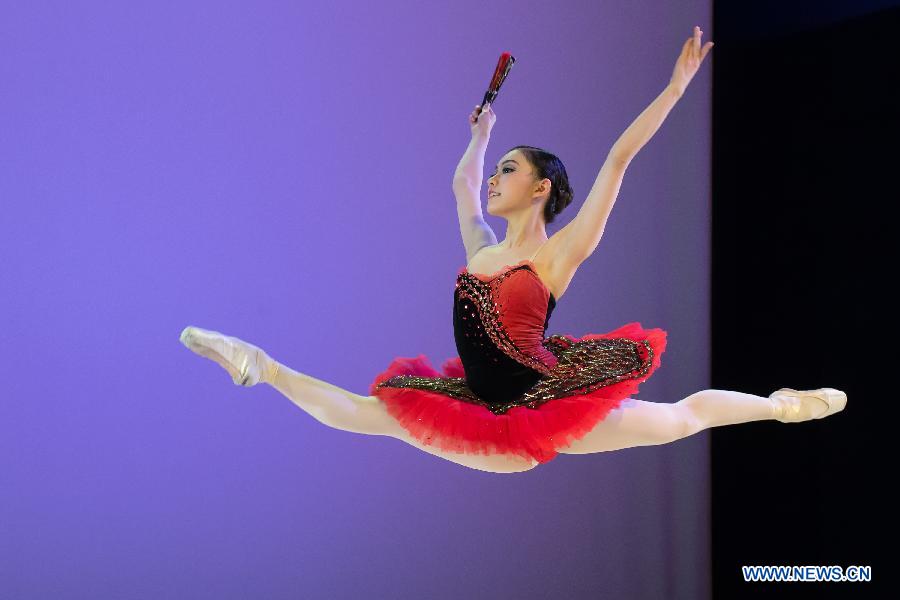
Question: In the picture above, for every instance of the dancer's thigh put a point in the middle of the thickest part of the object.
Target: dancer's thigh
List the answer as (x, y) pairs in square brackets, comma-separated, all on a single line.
[(367, 415), (495, 463), (633, 423)]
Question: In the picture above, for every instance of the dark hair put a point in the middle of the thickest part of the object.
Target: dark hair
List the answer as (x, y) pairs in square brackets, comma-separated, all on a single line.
[(547, 164)]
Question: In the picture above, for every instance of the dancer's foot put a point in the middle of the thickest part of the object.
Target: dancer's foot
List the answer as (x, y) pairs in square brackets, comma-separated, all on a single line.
[(247, 364), (794, 406)]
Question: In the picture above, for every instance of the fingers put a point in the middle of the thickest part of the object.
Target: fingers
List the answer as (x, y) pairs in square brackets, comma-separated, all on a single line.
[(699, 51), (692, 45), (475, 113)]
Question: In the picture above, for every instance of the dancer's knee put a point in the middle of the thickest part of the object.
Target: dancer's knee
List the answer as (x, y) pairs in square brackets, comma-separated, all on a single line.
[(690, 413), (674, 423)]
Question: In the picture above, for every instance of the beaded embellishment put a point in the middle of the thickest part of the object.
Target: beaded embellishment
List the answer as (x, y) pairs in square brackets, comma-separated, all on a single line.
[(480, 293), (582, 366)]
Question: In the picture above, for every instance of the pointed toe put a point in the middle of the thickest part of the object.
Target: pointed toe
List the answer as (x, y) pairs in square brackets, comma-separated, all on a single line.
[(795, 406), (836, 399)]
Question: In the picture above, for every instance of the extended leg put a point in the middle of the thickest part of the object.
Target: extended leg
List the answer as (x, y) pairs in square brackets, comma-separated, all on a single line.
[(342, 409), (641, 423), (329, 404)]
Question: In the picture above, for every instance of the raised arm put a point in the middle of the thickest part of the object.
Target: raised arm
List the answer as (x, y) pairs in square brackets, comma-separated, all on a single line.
[(467, 178), (581, 236)]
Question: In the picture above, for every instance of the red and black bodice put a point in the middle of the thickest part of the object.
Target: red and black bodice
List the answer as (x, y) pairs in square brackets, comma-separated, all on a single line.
[(499, 323)]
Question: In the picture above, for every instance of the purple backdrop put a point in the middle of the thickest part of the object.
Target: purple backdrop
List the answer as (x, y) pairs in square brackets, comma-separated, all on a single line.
[(282, 173)]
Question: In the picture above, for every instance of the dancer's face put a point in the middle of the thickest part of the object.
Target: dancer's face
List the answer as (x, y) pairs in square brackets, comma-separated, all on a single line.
[(515, 182)]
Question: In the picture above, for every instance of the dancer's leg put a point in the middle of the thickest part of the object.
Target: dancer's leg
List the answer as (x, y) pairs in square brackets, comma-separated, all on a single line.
[(641, 423), (329, 404), (344, 410)]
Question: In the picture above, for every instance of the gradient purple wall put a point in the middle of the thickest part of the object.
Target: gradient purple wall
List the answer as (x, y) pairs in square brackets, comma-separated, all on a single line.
[(281, 172)]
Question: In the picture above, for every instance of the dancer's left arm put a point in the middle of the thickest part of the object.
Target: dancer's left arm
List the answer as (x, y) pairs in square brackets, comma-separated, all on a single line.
[(583, 233)]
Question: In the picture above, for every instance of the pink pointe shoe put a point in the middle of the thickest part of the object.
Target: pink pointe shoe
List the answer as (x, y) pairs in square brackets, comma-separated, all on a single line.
[(247, 364), (795, 406)]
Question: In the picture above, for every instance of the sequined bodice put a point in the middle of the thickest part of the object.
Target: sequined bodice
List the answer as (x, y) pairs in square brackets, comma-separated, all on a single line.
[(504, 361), (499, 322)]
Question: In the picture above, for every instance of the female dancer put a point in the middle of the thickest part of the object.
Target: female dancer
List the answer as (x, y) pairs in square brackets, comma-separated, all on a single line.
[(513, 399)]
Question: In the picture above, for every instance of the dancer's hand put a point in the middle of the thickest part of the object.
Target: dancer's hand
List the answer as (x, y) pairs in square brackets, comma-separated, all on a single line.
[(486, 119), (692, 54)]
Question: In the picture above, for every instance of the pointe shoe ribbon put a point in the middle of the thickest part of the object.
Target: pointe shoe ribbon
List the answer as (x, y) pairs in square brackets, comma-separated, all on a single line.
[(794, 406)]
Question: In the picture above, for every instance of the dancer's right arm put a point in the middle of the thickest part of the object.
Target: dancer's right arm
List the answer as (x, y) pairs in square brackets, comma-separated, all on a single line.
[(476, 233)]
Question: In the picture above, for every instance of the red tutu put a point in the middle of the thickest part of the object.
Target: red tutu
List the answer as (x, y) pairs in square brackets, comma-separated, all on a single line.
[(458, 425)]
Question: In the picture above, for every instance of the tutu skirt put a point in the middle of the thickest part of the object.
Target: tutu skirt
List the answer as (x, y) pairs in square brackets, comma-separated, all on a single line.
[(459, 422)]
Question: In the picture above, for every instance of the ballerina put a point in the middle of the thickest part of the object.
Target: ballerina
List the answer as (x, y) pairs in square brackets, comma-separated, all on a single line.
[(513, 398)]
